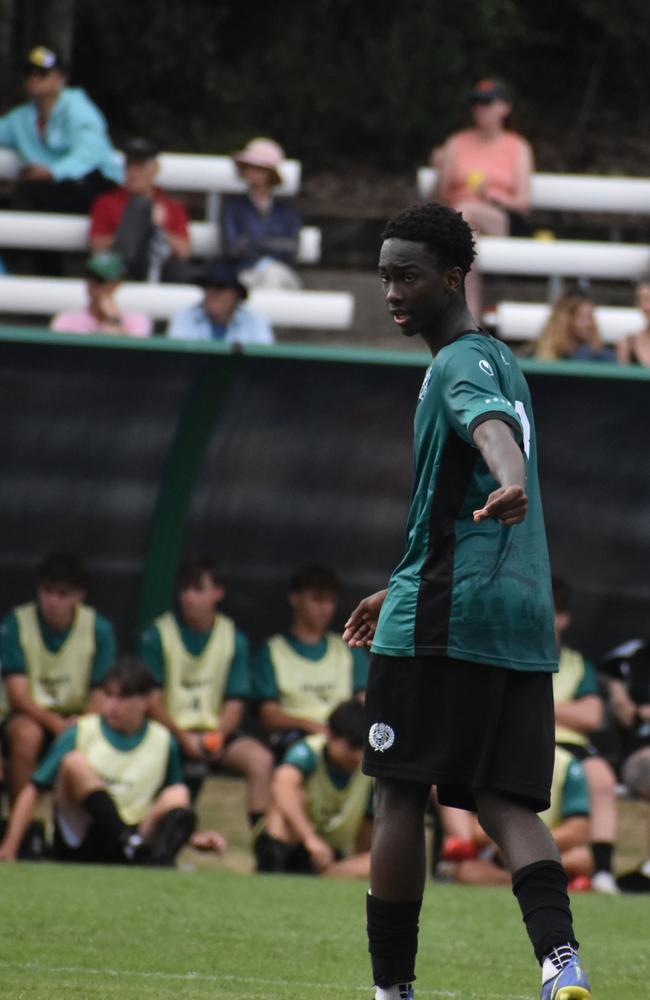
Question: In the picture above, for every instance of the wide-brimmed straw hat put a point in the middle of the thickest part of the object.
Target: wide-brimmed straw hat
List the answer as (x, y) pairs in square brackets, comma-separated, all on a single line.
[(264, 153)]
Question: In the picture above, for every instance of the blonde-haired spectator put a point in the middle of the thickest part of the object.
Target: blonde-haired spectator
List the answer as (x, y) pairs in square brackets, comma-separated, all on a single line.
[(571, 332)]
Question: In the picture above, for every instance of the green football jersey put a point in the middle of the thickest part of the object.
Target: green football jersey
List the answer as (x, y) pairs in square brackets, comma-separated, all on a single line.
[(478, 592)]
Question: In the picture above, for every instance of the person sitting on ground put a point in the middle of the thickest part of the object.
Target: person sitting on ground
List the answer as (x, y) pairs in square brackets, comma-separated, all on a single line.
[(635, 348), (104, 274), (299, 677), (62, 139), (485, 173), (578, 713), (54, 651), (260, 232), (628, 671), (144, 225), (116, 776), (567, 818), (571, 332), (221, 316), (320, 820), (199, 659)]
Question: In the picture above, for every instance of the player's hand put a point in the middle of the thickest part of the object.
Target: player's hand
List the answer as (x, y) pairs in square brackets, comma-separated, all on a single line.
[(320, 853), (209, 840), (35, 172), (624, 709), (508, 505), (360, 627), (190, 744)]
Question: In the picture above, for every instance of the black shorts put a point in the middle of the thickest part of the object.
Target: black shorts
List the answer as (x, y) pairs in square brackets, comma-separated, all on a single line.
[(460, 726)]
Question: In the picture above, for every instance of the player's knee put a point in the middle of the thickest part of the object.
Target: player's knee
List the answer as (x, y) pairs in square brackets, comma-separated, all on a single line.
[(601, 778), (73, 762), (25, 737), (397, 798)]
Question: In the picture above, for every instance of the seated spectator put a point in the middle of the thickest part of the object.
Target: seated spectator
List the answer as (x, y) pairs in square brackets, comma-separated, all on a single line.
[(571, 332), (116, 781), (104, 273), (300, 676), (320, 820), (62, 138), (143, 224), (260, 232), (635, 348), (578, 713), (54, 652), (628, 671), (567, 818), (199, 660), (221, 315), (485, 173)]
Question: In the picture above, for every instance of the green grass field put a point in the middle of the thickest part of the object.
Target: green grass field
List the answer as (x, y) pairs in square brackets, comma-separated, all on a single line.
[(89, 933)]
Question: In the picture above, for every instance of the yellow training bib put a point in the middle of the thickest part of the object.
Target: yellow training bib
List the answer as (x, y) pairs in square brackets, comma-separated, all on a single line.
[(312, 689), (337, 813), (58, 681), (565, 684)]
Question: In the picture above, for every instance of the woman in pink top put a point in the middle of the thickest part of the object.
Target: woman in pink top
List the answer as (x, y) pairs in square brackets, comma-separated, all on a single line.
[(102, 314)]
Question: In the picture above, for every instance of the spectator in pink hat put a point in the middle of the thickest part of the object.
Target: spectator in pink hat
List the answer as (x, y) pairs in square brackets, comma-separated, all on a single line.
[(259, 230)]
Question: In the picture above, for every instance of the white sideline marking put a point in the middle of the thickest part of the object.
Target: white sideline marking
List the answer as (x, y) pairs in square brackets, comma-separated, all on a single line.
[(229, 978)]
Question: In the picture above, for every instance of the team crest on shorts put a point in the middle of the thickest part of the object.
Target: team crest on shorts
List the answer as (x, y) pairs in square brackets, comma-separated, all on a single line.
[(381, 736)]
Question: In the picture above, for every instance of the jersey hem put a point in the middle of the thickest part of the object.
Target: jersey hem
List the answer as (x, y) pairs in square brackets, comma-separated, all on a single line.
[(547, 666)]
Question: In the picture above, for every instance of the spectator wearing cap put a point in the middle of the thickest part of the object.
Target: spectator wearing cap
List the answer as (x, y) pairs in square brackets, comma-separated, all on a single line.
[(485, 172), (221, 315), (104, 273), (148, 228), (260, 231), (62, 138)]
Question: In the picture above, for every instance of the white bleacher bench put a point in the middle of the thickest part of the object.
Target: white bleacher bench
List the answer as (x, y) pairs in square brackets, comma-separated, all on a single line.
[(52, 231), (302, 309), (523, 321), (573, 192), (562, 258)]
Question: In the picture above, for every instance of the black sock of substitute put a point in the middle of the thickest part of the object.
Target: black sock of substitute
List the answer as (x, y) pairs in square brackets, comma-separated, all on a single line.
[(392, 940), (541, 891), (603, 854), (254, 818), (106, 819)]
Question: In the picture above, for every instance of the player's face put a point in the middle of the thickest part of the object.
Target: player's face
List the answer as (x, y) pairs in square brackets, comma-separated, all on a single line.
[(58, 603), (126, 715), (417, 292), (344, 754), (199, 600), (314, 609)]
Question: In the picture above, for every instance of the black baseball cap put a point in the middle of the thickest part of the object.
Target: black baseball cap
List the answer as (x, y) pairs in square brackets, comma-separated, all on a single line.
[(222, 274), (138, 150), (490, 89), (42, 60)]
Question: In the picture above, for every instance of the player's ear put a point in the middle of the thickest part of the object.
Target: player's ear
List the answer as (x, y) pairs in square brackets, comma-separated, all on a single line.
[(453, 280)]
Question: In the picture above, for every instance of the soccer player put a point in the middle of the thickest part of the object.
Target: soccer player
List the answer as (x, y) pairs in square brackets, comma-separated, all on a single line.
[(117, 782), (320, 818), (54, 651), (460, 686), (301, 676)]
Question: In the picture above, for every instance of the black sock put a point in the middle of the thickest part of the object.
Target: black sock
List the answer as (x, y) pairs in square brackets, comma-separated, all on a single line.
[(106, 819), (602, 852), (270, 854), (392, 940), (541, 891), (254, 818)]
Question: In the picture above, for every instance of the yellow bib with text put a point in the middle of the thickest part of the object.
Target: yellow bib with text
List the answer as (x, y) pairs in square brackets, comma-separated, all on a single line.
[(312, 689), (565, 684), (132, 778), (195, 685), (337, 813), (58, 681)]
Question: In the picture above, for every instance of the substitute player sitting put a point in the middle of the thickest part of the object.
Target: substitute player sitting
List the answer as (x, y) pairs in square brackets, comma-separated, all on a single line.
[(200, 660), (55, 650), (117, 782), (320, 820), (300, 676), (460, 692)]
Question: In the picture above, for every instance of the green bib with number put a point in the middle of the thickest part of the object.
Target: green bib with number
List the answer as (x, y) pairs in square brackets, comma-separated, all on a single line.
[(312, 689), (195, 685), (58, 681), (337, 813)]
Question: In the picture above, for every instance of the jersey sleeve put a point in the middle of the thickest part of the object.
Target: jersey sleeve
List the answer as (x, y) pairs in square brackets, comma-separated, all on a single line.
[(105, 650), (238, 683), (589, 683), (359, 669), (151, 653), (575, 794), (471, 394), (11, 654), (45, 774), (301, 756), (264, 685), (174, 773)]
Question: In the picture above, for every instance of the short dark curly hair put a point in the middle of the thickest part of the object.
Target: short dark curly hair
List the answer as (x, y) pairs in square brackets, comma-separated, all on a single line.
[(443, 230)]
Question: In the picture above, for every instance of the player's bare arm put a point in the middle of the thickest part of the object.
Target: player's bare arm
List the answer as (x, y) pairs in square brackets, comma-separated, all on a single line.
[(503, 457), (360, 627)]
